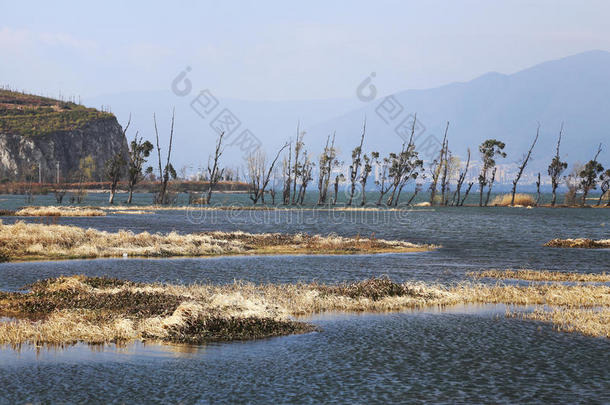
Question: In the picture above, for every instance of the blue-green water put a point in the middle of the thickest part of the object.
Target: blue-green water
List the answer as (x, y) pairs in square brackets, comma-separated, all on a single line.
[(464, 354)]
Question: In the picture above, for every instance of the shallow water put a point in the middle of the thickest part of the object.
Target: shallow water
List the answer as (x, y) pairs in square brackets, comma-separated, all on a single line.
[(457, 355), (418, 356)]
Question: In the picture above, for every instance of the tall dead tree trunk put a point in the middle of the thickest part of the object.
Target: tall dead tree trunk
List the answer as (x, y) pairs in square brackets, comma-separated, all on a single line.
[(354, 168), (491, 183), (556, 168), (168, 169), (466, 193), (460, 182), (214, 173), (522, 167)]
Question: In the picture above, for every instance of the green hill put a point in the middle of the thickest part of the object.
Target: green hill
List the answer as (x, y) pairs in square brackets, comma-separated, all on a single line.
[(29, 115)]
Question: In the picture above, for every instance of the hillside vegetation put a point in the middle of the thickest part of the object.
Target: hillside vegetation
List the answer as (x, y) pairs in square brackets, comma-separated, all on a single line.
[(30, 115)]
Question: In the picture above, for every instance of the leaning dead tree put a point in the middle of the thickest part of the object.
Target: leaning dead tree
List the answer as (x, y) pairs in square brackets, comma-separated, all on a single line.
[(168, 170), (258, 173), (437, 167), (404, 166), (214, 171), (604, 186), (287, 173), (556, 168), (460, 182), (354, 168), (447, 173), (524, 161)]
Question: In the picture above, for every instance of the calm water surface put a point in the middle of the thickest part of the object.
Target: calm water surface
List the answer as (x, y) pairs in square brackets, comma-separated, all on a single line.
[(464, 354)]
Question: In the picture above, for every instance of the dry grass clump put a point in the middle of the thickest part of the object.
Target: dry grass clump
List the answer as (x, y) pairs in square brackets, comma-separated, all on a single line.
[(52, 211), (132, 212), (523, 200), (96, 310), (37, 241), (590, 322), (542, 275), (582, 243), (584, 296)]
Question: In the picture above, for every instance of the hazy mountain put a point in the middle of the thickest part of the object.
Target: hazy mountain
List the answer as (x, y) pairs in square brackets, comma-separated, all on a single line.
[(575, 90)]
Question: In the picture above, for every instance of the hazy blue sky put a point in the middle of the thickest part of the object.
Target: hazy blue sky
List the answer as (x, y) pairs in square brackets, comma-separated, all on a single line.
[(284, 49)]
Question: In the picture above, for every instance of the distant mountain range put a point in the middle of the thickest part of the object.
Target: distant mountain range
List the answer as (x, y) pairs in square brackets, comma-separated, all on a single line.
[(574, 90)]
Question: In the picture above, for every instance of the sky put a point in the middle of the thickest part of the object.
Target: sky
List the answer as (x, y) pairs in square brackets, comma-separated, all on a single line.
[(284, 50)]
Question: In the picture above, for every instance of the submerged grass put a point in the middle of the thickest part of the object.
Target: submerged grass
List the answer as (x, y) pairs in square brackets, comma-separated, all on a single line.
[(582, 243), (98, 310), (25, 241), (542, 275)]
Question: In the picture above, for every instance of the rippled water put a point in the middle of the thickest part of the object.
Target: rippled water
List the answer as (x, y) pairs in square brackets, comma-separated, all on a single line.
[(465, 354)]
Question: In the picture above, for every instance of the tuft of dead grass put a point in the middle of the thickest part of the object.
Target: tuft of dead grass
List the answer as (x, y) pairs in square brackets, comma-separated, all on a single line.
[(522, 200), (52, 211), (77, 308), (23, 241), (582, 243), (590, 322), (542, 275)]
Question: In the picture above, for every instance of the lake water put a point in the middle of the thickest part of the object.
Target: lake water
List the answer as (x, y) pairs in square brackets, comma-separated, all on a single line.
[(462, 354)]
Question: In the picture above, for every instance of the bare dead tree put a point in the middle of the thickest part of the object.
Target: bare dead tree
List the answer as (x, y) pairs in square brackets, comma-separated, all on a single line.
[(418, 188), (328, 159), (556, 168), (305, 178), (491, 183), (466, 193), (382, 182), (258, 173), (538, 190), (447, 172), (460, 182), (404, 167), (366, 170), (338, 177), (354, 168), (436, 167), (113, 170), (214, 172), (604, 186), (524, 161), (287, 173), (298, 146), (168, 170)]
